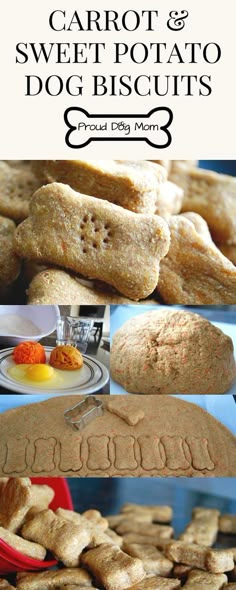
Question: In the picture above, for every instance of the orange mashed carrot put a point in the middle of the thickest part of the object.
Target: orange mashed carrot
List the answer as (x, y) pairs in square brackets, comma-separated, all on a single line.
[(66, 357), (29, 353)]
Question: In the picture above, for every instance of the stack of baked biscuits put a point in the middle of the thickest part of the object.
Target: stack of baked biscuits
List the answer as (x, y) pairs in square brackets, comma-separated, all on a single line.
[(117, 231)]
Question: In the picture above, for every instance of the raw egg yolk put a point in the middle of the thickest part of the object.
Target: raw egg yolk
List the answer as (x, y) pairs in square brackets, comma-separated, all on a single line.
[(39, 372)]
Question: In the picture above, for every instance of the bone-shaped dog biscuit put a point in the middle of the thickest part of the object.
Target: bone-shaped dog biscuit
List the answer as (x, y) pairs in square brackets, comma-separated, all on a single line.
[(141, 539), (219, 561), (65, 539), (200, 580), (15, 501), (169, 199), (112, 568), (52, 580), (51, 285), (151, 530), (154, 562), (133, 184), (116, 539), (92, 520), (94, 238), (9, 263), (194, 270), (138, 516), (210, 194), (57, 285), (33, 550), (17, 185), (115, 519), (99, 538), (96, 519), (227, 524), (139, 186), (157, 513), (156, 583), (70, 515), (89, 517), (203, 528), (212, 560), (41, 495)]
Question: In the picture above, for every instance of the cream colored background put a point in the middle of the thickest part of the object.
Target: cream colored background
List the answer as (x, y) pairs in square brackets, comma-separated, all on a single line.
[(33, 127)]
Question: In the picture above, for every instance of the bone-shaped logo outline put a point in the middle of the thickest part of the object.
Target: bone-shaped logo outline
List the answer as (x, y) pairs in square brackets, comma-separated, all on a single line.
[(73, 128)]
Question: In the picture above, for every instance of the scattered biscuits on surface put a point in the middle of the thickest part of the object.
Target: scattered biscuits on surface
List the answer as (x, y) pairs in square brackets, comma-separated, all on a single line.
[(120, 563)]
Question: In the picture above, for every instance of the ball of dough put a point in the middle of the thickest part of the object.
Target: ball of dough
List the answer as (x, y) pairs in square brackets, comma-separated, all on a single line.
[(172, 352)]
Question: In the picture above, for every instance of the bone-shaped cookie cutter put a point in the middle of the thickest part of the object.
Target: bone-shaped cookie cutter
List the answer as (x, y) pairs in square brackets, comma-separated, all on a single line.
[(92, 407)]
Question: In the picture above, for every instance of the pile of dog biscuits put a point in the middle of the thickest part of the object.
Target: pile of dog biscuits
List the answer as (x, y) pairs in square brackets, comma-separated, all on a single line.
[(134, 549)]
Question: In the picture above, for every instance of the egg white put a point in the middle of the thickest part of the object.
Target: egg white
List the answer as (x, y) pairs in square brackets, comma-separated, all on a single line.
[(59, 380)]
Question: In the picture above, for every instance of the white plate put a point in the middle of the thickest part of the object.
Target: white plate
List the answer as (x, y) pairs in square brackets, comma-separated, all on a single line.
[(228, 329), (92, 377)]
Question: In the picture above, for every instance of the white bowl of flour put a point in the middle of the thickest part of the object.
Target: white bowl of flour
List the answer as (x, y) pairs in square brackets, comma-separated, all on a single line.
[(26, 322)]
